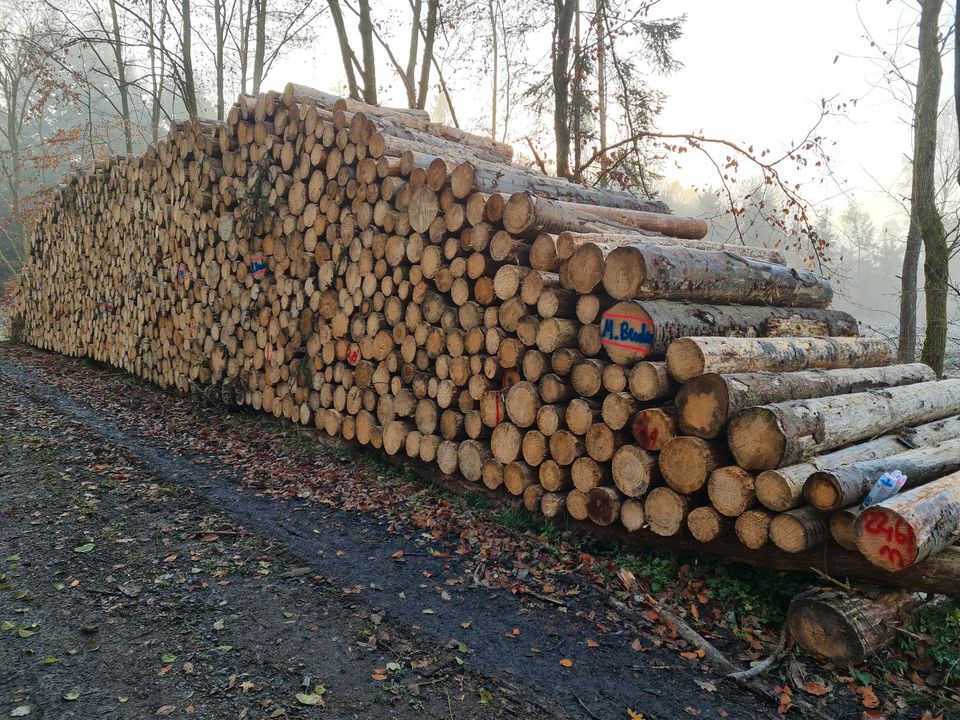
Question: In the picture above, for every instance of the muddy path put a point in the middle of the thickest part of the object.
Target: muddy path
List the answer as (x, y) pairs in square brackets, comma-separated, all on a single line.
[(395, 614)]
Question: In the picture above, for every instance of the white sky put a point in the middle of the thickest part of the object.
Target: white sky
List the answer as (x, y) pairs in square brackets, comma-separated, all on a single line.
[(754, 71)]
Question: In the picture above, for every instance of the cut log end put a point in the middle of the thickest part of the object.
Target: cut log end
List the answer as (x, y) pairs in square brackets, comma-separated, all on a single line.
[(822, 491), (756, 439), (884, 539), (703, 405), (685, 359)]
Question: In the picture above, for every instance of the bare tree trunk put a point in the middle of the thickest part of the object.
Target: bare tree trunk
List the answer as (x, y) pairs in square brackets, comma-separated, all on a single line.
[(601, 74), (412, 55), (121, 79), (219, 9), (936, 252), (369, 61), (156, 74), (346, 54), (907, 343), (433, 8), (496, 73), (563, 11), (244, 50), (189, 86), (260, 47)]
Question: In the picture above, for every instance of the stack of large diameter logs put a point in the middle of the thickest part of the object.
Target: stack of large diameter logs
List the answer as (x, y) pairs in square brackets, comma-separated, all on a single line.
[(786, 436), (407, 285)]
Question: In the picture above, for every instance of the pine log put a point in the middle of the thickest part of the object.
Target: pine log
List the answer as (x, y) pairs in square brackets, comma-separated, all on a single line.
[(634, 470), (782, 489), (912, 525), (731, 490), (686, 462), (567, 242), (845, 629), (692, 356), (526, 213), (470, 177), (603, 505), (771, 436), (632, 331), (631, 515), (835, 488), (666, 511), (753, 528), (706, 403), (706, 524), (647, 271), (800, 529), (654, 427)]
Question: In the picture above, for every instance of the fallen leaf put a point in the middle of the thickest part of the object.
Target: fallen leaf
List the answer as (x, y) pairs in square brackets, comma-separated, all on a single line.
[(634, 715), (85, 548), (592, 643), (71, 696), (20, 711), (485, 696), (705, 685), (166, 709), (870, 699), (309, 699), (567, 662), (818, 689), (168, 659)]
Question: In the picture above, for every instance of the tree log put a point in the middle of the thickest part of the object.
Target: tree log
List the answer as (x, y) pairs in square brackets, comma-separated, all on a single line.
[(782, 489), (771, 436), (835, 488), (705, 403), (646, 271), (912, 525), (845, 629), (632, 331), (691, 356)]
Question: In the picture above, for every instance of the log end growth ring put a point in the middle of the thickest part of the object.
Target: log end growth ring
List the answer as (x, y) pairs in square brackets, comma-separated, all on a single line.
[(756, 439)]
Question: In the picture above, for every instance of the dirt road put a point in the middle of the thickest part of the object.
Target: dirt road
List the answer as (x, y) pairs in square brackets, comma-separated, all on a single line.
[(161, 559)]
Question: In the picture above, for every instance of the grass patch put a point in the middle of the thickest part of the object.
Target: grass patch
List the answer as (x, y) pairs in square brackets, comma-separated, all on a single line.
[(935, 639)]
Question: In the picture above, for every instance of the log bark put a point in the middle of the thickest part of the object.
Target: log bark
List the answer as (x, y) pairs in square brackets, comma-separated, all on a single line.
[(692, 356), (471, 177), (834, 488), (912, 525), (771, 436), (648, 271), (527, 214), (845, 629), (631, 331), (782, 489), (705, 403)]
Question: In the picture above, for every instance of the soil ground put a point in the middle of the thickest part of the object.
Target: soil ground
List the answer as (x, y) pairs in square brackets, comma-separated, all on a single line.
[(165, 559)]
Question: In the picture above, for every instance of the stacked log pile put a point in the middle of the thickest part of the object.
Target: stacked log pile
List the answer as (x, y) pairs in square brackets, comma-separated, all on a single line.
[(406, 285)]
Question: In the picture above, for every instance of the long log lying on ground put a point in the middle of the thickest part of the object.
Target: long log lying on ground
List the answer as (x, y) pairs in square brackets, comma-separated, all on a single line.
[(845, 629), (642, 271), (782, 489), (912, 525), (838, 487), (526, 213), (633, 330), (939, 573), (771, 436), (691, 356), (706, 402)]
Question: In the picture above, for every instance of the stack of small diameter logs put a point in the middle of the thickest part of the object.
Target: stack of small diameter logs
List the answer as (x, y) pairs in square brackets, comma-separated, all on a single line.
[(406, 285)]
